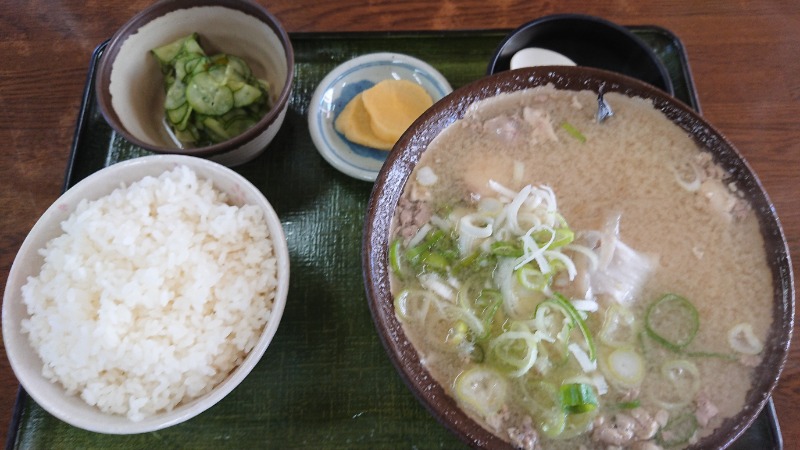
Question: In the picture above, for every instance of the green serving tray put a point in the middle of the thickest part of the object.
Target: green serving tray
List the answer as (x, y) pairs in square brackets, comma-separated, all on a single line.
[(325, 381)]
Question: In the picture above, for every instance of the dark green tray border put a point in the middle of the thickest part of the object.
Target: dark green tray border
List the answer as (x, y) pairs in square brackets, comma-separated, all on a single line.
[(763, 433)]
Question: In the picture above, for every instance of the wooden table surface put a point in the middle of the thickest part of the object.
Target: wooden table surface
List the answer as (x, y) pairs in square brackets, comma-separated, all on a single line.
[(744, 56)]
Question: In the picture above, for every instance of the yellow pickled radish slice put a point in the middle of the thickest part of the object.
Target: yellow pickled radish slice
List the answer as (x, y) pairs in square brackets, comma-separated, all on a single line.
[(393, 105), (354, 123)]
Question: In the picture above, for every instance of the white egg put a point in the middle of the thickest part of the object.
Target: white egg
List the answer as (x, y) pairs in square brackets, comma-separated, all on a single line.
[(534, 56)]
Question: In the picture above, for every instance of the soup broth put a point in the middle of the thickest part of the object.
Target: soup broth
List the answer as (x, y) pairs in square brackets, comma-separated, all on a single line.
[(574, 283)]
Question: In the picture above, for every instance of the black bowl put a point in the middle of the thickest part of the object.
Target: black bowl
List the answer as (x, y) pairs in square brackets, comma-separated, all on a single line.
[(588, 41)]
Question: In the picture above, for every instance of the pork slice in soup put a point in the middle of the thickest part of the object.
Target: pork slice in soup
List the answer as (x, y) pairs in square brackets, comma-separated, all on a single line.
[(572, 283)]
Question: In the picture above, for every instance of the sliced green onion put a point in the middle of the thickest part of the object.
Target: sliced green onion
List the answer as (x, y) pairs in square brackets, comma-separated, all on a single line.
[(578, 425), (509, 249), (560, 261), (443, 325), (678, 431), (481, 389), (563, 236), (633, 404), (672, 321), (548, 321), (488, 303), (475, 326), (414, 252), (574, 132), (458, 333), (514, 351), (625, 367), (595, 380), (482, 304), (542, 400), (683, 382), (561, 302), (476, 225), (578, 398), (413, 305), (619, 326), (556, 265), (430, 240), (727, 356), (470, 261), (433, 260), (648, 345), (395, 260), (743, 340), (532, 278), (477, 354)]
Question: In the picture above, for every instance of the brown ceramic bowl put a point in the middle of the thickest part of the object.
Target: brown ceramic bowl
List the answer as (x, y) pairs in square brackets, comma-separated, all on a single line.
[(406, 153), (129, 85)]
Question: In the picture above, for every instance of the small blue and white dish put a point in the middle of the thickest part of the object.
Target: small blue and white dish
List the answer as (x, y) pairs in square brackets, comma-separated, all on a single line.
[(344, 83)]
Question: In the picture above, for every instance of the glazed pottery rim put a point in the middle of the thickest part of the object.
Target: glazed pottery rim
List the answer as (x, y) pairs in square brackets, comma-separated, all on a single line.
[(406, 153)]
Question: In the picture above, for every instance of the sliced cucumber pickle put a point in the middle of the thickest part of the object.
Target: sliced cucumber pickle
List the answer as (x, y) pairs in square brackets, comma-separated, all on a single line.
[(178, 115), (176, 96), (246, 95), (207, 96), (239, 66), (215, 127), (209, 99), (166, 53)]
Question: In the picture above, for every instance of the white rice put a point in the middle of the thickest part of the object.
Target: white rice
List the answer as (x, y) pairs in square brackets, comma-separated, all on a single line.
[(152, 295)]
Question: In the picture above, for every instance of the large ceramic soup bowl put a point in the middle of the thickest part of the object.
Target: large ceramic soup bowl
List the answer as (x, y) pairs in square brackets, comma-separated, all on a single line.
[(540, 275)]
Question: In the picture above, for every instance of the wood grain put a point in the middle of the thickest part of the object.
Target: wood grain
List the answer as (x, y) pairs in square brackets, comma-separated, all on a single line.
[(744, 56)]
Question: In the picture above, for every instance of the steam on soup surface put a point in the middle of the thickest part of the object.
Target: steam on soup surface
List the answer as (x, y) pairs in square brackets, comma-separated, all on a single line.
[(574, 283)]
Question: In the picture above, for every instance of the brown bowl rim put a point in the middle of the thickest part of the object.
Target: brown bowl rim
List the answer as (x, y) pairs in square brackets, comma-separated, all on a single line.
[(161, 8), (406, 153)]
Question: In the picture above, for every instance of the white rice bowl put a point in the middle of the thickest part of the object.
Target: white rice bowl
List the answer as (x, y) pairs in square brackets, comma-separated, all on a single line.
[(118, 319)]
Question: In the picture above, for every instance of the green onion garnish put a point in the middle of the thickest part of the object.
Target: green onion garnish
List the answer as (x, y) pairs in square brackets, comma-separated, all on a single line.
[(574, 132), (678, 431), (562, 303), (394, 257), (672, 321), (578, 398), (628, 405)]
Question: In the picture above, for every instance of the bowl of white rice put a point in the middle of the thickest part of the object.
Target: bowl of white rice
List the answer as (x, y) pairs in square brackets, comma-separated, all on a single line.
[(145, 294)]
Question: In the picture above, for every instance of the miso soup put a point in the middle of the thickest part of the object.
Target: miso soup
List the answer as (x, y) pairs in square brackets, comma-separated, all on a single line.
[(580, 283)]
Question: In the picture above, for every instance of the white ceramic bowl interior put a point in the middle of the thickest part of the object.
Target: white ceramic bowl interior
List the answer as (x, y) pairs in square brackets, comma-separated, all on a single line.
[(136, 82), (345, 82), (25, 362)]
